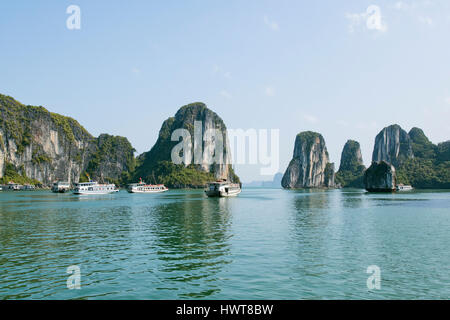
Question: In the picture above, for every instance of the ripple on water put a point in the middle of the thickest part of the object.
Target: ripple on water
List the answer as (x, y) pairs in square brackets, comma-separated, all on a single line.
[(264, 244)]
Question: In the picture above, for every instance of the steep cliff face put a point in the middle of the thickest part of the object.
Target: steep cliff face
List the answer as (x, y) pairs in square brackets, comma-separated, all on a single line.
[(330, 175), (203, 165), (351, 169), (417, 160), (392, 145), (44, 146), (308, 168), (380, 177), (351, 156)]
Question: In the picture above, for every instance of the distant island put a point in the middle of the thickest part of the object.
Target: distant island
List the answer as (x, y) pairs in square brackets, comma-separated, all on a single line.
[(310, 166), (398, 158), (274, 183)]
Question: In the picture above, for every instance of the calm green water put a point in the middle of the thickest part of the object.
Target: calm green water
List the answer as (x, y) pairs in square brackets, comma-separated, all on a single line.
[(263, 244)]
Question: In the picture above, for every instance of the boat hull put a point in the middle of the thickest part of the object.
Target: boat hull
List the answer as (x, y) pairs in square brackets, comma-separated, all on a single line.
[(94, 192), (60, 190), (222, 194), (140, 191), (404, 189), (381, 190)]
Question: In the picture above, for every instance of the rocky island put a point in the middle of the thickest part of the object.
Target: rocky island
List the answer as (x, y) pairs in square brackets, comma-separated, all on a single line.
[(310, 166), (418, 162), (40, 147), (156, 164), (392, 145), (380, 177), (351, 168), (399, 157)]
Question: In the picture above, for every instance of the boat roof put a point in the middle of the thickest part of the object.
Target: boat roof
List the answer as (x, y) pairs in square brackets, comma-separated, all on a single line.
[(147, 185), (221, 182)]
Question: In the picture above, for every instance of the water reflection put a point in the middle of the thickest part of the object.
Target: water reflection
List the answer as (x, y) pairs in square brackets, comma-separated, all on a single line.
[(307, 206), (308, 199), (352, 198), (40, 239), (191, 236), (262, 244), (323, 229)]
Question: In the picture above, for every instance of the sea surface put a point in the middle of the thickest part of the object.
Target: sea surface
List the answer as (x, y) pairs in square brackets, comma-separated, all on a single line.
[(263, 244)]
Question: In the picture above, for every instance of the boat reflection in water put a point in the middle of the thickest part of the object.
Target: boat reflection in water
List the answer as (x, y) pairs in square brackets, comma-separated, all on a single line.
[(191, 238)]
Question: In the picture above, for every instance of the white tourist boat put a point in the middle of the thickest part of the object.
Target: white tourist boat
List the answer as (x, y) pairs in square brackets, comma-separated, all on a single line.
[(222, 188), (142, 187), (14, 186), (402, 187), (60, 187), (92, 187)]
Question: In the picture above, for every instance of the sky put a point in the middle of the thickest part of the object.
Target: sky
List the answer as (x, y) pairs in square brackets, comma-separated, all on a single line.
[(345, 69)]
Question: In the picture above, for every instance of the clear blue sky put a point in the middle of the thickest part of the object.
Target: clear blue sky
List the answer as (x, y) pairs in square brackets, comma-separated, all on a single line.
[(288, 65)]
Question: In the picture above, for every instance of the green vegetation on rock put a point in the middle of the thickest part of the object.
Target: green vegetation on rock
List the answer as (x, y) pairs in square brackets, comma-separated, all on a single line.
[(179, 176), (425, 173), (16, 175), (351, 169), (308, 138), (233, 175), (68, 126), (52, 146), (16, 122), (422, 147), (110, 152), (443, 151), (430, 167), (351, 179), (38, 159)]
